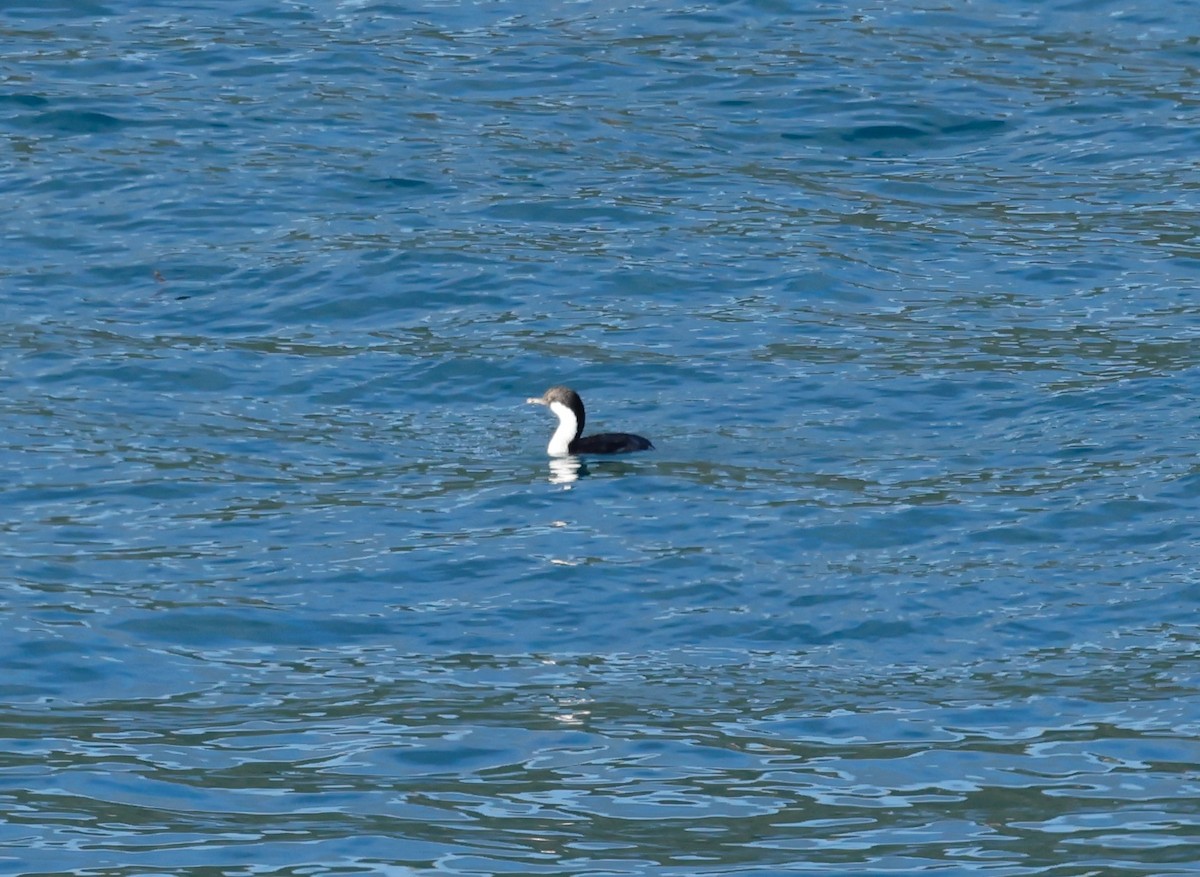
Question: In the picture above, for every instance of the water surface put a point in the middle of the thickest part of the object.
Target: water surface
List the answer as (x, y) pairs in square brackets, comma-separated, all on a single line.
[(903, 294)]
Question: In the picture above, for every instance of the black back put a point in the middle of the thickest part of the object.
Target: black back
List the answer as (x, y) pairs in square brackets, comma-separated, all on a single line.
[(610, 443)]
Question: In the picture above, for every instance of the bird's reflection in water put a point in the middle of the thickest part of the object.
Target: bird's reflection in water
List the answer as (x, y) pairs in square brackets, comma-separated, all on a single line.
[(564, 470)]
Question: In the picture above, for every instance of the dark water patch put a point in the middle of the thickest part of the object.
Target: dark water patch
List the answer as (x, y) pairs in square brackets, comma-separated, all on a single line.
[(77, 122), (55, 9), (23, 100), (402, 183), (928, 132)]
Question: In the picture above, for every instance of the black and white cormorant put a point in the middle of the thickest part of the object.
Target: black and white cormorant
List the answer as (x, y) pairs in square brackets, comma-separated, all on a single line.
[(565, 403)]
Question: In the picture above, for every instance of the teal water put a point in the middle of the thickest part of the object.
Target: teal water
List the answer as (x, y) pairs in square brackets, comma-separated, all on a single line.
[(905, 295)]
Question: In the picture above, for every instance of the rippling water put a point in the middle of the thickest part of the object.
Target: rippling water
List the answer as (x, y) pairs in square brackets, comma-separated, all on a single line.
[(904, 294)]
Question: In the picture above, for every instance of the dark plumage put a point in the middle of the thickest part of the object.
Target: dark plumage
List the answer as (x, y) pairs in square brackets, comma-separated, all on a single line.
[(569, 438)]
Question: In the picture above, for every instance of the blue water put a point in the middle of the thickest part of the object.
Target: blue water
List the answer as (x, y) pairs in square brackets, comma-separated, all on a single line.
[(905, 295)]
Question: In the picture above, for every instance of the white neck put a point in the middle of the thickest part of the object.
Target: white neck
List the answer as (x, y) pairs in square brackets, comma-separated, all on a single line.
[(560, 442)]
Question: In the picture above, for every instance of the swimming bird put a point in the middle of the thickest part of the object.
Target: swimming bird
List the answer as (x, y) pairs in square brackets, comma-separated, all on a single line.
[(566, 403)]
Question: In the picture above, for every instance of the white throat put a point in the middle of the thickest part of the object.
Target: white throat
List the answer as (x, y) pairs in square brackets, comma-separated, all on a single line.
[(560, 442)]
